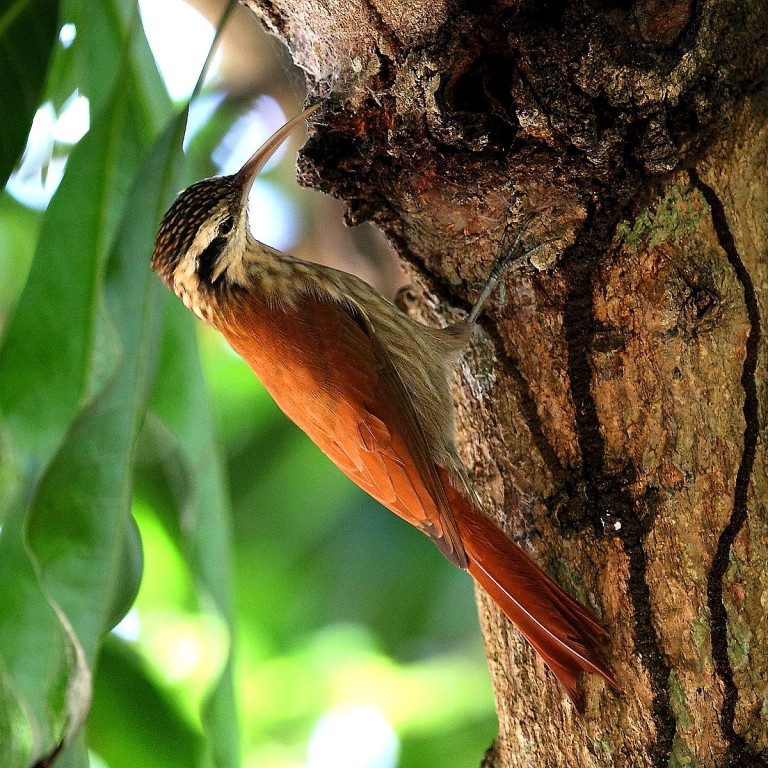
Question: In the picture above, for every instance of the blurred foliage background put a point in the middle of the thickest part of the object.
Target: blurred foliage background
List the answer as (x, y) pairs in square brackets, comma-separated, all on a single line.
[(171, 545)]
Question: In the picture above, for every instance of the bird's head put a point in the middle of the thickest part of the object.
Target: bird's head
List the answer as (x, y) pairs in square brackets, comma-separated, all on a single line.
[(204, 233), (198, 229)]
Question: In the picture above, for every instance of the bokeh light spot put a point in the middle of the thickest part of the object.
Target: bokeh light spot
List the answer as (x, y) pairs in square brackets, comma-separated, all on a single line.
[(36, 180), (179, 56), (67, 35), (353, 737)]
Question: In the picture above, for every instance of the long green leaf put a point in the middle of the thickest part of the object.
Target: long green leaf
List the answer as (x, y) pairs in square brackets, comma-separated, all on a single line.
[(76, 366), (75, 369), (55, 349), (79, 517), (77, 521), (56, 342)]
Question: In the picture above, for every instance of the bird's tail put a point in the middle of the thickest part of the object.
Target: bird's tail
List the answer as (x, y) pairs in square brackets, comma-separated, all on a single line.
[(565, 634)]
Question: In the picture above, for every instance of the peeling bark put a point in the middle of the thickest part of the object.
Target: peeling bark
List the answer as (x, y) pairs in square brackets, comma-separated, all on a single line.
[(621, 388)]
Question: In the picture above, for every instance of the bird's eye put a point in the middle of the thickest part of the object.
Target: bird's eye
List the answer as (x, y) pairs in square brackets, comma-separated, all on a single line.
[(226, 226)]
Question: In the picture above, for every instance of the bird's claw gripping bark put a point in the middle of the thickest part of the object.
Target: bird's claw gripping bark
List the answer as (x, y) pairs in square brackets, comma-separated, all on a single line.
[(508, 254)]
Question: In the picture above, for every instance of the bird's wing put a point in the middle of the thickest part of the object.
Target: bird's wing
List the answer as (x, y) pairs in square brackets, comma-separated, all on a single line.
[(329, 371)]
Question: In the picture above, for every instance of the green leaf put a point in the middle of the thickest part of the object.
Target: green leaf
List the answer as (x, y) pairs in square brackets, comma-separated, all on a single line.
[(80, 352), (130, 564), (36, 653), (56, 341), (180, 404), (78, 519), (128, 706), (105, 50), (27, 36), (55, 348)]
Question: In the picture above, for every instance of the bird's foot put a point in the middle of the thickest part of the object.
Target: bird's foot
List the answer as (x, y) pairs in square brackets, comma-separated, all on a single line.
[(511, 251)]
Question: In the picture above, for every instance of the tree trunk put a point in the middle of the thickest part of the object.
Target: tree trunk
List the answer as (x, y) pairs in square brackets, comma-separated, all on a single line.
[(612, 411)]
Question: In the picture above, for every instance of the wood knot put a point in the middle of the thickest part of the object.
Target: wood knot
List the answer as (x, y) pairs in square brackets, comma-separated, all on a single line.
[(699, 303)]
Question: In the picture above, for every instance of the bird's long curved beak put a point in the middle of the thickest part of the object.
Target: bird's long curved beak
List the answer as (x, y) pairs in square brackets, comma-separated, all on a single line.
[(246, 175)]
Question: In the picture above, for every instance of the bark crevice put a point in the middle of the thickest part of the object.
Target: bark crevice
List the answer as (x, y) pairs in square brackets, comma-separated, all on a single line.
[(738, 749), (606, 492)]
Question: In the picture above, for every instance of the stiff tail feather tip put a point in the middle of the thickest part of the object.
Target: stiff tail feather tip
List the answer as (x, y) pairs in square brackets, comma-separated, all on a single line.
[(566, 635)]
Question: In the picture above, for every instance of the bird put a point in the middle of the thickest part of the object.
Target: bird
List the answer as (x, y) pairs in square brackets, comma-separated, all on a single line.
[(369, 385)]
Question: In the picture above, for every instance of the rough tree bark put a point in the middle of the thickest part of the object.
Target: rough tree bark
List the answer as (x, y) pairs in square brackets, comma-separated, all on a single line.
[(621, 388)]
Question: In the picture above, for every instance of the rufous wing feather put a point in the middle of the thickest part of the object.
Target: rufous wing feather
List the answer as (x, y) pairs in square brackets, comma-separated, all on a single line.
[(326, 369), (329, 374)]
